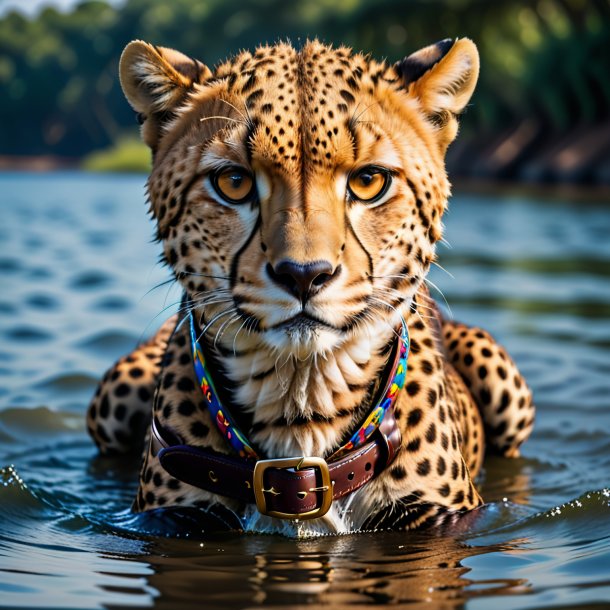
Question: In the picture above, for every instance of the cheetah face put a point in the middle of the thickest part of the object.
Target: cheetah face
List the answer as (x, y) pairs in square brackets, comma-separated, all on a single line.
[(299, 193)]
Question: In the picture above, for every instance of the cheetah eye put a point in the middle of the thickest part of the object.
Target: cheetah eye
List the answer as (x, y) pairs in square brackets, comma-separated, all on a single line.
[(234, 184), (369, 183)]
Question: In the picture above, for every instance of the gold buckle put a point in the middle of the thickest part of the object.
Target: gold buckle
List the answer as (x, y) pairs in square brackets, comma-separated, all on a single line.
[(298, 463)]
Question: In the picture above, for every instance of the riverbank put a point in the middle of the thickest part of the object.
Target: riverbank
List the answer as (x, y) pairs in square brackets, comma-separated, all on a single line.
[(529, 152), (37, 163), (575, 166)]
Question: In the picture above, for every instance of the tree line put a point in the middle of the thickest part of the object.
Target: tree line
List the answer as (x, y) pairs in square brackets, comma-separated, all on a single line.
[(546, 61)]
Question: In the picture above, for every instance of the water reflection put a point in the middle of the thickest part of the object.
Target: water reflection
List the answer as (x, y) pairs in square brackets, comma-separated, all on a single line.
[(116, 559), (337, 572), (508, 480)]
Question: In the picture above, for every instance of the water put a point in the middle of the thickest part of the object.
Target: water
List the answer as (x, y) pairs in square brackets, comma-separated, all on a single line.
[(77, 264)]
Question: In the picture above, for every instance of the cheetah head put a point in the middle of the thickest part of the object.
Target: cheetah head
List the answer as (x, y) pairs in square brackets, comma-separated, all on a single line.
[(299, 193)]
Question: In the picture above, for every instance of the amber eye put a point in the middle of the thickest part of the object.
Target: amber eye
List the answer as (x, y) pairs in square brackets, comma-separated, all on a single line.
[(369, 183), (235, 185)]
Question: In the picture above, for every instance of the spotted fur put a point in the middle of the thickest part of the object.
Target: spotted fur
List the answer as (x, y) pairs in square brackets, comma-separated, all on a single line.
[(299, 362)]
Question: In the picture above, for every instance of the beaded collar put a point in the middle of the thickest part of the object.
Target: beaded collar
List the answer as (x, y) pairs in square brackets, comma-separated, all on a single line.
[(238, 441)]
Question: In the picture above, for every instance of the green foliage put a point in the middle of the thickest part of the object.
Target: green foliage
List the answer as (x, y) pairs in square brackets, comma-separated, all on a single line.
[(127, 155), (544, 59)]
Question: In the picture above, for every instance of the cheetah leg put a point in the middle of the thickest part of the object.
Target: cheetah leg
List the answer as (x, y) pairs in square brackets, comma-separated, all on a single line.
[(494, 381), (120, 411)]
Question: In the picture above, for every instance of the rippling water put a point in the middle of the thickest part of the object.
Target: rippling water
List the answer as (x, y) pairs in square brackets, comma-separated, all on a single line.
[(77, 266)]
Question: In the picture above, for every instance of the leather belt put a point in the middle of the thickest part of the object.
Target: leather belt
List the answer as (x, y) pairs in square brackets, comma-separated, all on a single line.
[(287, 488)]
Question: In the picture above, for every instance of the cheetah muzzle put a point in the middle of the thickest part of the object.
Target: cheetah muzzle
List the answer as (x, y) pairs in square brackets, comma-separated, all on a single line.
[(298, 195)]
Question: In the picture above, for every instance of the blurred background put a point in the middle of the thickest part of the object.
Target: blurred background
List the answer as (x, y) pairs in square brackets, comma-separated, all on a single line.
[(541, 113)]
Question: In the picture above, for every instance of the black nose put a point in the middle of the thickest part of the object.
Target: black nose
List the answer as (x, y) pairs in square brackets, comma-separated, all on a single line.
[(302, 281)]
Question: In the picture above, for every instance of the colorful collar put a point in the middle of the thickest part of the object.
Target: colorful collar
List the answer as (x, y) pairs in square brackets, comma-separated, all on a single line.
[(228, 428)]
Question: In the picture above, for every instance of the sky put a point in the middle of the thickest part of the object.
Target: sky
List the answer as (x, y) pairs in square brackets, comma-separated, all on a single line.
[(31, 7)]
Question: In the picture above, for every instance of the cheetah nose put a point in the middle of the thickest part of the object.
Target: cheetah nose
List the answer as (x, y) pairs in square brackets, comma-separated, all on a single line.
[(302, 280)]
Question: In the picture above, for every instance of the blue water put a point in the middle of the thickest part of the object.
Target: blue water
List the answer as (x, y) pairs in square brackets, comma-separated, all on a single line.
[(77, 289)]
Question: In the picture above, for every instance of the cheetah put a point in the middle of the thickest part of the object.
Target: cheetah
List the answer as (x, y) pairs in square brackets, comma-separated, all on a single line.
[(308, 382)]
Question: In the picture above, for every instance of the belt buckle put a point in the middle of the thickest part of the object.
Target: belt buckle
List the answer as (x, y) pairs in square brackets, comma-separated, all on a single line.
[(298, 463)]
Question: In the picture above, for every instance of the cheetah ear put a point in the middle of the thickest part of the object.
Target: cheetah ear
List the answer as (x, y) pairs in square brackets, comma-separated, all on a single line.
[(442, 78), (155, 80)]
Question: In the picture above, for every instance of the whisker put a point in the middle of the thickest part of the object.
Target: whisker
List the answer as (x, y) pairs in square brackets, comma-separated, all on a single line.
[(169, 288), (237, 333), (170, 280), (392, 294), (203, 303), (179, 325), (193, 274), (382, 302), (443, 269), (239, 112), (154, 318), (224, 312), (356, 119), (224, 118), (236, 317), (446, 243), (431, 283)]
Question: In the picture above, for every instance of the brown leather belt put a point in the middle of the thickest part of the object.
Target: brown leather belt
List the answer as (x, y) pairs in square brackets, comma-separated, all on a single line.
[(287, 488)]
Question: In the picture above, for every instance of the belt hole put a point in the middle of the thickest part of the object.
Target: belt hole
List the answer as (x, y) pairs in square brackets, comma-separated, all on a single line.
[(213, 477), (367, 466), (350, 476), (302, 494), (248, 485)]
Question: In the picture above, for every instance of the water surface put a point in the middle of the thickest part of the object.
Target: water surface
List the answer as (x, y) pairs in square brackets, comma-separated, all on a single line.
[(77, 276)]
